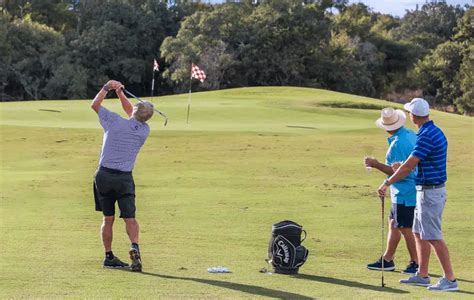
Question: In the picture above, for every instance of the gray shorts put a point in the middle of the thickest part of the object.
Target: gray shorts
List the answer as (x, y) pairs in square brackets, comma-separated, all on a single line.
[(428, 212)]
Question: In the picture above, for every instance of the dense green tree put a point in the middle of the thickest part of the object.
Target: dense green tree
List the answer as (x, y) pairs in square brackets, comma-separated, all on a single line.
[(355, 20), (446, 73), (439, 73), (465, 37), (429, 26), (53, 13), (67, 48), (266, 45), (465, 103), (34, 49), (5, 53)]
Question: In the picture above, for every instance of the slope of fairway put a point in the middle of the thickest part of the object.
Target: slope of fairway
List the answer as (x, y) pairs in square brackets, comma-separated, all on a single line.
[(208, 193)]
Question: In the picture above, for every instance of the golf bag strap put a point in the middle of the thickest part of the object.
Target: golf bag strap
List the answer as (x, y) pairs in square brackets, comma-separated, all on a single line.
[(304, 236)]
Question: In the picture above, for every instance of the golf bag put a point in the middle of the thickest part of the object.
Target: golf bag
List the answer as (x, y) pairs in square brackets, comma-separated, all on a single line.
[(285, 252)]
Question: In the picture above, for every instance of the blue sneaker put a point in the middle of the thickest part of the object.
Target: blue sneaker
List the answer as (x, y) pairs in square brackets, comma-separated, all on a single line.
[(417, 280), (444, 285), (387, 265), (412, 268)]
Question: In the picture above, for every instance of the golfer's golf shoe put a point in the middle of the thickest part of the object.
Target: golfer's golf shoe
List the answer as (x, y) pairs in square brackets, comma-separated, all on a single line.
[(387, 265), (114, 263), (136, 260), (417, 280), (412, 268), (444, 285)]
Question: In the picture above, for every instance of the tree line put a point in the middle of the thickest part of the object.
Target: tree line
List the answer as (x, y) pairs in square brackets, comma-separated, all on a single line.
[(66, 49)]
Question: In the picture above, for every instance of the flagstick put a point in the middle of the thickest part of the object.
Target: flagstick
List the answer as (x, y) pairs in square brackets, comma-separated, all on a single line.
[(189, 100), (153, 83)]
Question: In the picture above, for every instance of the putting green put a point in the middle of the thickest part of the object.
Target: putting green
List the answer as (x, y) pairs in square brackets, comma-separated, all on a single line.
[(208, 193)]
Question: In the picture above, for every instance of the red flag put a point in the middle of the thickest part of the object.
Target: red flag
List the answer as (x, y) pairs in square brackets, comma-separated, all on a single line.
[(197, 73), (156, 66)]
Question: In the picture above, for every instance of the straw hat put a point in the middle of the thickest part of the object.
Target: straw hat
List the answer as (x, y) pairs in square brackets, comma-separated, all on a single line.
[(391, 119)]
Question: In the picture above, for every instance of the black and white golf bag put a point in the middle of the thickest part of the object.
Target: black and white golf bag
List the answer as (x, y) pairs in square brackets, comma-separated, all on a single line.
[(285, 252)]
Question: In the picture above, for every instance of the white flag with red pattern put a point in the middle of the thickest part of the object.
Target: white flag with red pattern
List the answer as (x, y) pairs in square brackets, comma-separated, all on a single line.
[(197, 73)]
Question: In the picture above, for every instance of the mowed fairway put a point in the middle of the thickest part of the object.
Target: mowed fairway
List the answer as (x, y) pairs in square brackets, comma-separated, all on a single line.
[(208, 193)]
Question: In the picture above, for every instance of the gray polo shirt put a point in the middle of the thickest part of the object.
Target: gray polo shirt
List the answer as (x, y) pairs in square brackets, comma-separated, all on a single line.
[(123, 139)]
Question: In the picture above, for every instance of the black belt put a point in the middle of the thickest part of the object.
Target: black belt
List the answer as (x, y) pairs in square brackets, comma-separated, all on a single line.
[(430, 186), (113, 171)]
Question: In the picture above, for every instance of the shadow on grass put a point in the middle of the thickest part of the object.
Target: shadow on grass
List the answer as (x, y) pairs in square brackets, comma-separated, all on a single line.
[(464, 292), (302, 127), (458, 279), (261, 291), (355, 105), (249, 289), (349, 283)]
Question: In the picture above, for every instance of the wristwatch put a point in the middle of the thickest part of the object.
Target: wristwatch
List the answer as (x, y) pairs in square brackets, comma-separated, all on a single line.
[(386, 182), (106, 88)]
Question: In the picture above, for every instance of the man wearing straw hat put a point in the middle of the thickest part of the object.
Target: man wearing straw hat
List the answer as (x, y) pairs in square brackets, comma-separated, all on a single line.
[(401, 141), (429, 157)]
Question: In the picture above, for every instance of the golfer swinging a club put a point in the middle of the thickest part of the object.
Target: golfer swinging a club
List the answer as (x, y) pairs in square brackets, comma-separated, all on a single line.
[(113, 180)]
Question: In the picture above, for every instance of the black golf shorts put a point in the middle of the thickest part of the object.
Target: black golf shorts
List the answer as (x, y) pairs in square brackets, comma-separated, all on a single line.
[(402, 215), (111, 186)]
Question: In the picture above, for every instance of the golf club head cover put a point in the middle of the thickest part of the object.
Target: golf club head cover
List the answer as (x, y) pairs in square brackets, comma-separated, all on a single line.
[(285, 251)]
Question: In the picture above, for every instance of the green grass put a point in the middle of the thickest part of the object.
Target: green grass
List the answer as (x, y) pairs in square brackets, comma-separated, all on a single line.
[(208, 193)]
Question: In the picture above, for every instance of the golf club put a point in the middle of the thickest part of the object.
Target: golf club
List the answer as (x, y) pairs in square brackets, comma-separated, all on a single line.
[(162, 114), (382, 201)]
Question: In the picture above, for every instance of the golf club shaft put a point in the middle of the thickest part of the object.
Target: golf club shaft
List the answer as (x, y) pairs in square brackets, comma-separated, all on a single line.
[(382, 201), (132, 95)]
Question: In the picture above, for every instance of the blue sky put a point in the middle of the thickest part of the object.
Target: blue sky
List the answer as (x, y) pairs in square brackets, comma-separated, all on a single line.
[(393, 7), (398, 7)]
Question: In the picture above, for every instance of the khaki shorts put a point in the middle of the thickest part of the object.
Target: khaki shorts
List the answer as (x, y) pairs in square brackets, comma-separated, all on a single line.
[(428, 212)]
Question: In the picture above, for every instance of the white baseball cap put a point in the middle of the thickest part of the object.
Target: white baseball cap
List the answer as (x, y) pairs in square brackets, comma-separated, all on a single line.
[(418, 107)]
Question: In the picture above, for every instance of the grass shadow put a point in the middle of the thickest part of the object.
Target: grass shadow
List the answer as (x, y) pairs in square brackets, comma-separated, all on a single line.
[(50, 110), (249, 289), (458, 279), (464, 292), (354, 105), (301, 127), (348, 283)]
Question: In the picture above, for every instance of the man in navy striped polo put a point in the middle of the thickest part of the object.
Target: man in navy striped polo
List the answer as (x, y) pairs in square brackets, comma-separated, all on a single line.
[(429, 158), (113, 181)]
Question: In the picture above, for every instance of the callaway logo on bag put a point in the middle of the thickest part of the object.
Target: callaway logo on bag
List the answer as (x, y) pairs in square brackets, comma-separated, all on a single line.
[(285, 251)]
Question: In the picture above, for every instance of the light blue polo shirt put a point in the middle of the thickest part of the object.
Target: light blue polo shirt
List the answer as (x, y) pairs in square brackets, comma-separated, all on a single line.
[(401, 144)]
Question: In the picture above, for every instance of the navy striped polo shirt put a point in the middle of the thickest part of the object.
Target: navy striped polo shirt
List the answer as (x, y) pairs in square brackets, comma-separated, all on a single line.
[(431, 148)]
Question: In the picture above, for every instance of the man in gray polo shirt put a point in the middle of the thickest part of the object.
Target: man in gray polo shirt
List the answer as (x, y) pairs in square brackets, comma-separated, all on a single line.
[(113, 181)]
